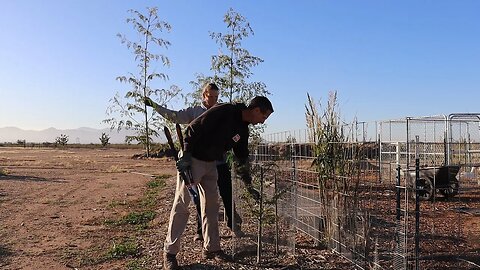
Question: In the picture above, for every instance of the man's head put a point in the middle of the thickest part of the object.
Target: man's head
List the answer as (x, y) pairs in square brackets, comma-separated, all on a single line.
[(258, 110), (210, 95)]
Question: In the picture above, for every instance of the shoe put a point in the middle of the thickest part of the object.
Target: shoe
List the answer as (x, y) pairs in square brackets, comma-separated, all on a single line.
[(218, 255), (237, 231), (170, 261), (238, 219), (198, 237)]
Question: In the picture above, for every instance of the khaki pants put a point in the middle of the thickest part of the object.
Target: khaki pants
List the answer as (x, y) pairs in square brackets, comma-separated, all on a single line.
[(205, 176)]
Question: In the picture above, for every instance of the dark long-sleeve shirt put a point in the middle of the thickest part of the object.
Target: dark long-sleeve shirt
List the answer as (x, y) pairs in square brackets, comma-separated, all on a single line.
[(216, 131)]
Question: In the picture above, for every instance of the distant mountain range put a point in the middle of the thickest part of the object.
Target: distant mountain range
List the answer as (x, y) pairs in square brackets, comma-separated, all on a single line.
[(83, 135)]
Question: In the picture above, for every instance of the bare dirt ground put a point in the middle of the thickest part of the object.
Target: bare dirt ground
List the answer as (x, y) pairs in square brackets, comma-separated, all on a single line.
[(101, 209)]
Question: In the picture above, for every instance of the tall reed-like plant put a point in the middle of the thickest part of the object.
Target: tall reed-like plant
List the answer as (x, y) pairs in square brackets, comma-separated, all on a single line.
[(334, 161)]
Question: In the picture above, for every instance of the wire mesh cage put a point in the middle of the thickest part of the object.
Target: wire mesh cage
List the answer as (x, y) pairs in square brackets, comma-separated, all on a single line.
[(397, 194)]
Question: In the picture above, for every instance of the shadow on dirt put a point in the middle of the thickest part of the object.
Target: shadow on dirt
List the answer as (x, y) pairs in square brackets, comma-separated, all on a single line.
[(198, 266), (5, 253), (158, 154), (27, 178), (468, 258)]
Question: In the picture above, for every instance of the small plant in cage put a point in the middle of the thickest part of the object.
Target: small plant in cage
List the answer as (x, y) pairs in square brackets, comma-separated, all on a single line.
[(264, 211), (263, 183)]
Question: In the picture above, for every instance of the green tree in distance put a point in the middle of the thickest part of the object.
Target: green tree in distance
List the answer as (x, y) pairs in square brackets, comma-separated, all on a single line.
[(61, 140), (127, 112), (104, 139)]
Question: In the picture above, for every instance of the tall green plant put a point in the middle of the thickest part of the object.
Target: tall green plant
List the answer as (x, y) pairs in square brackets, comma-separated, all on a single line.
[(336, 161), (130, 112), (325, 130), (232, 66)]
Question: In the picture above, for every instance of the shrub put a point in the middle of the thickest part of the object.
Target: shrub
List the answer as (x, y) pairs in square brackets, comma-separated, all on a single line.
[(104, 139), (61, 140)]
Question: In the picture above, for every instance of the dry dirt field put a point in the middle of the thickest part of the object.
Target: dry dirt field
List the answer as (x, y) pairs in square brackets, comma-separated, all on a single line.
[(102, 209)]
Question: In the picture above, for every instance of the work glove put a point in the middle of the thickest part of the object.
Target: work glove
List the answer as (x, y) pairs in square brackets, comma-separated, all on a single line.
[(148, 102), (184, 162), (253, 192)]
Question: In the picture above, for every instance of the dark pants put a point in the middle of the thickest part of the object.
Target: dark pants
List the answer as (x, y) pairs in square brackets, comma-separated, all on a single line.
[(225, 188)]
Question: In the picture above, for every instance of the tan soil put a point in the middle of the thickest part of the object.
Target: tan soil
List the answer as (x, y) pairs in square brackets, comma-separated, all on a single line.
[(54, 204)]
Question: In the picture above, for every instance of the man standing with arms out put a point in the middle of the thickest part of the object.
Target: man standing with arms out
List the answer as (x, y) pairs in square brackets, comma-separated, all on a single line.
[(207, 138), (210, 97)]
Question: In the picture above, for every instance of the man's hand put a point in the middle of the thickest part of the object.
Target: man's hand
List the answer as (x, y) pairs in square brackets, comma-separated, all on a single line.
[(254, 193), (148, 102), (184, 162)]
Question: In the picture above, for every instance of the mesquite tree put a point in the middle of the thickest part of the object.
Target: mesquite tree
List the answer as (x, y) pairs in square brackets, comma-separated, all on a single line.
[(232, 68), (127, 112)]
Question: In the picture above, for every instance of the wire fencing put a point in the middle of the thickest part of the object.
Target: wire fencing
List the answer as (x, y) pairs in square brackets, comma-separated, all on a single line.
[(401, 194)]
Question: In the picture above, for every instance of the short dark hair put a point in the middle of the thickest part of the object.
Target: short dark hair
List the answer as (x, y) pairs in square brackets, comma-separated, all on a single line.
[(261, 102)]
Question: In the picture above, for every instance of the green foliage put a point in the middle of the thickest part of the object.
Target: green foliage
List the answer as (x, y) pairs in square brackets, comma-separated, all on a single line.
[(104, 139), (332, 150), (130, 112), (139, 219), (232, 68), (154, 186), (325, 130), (137, 264), (158, 182), (126, 248), (265, 175), (61, 140)]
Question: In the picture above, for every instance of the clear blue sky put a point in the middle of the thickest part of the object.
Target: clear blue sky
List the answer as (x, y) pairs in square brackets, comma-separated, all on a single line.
[(387, 59)]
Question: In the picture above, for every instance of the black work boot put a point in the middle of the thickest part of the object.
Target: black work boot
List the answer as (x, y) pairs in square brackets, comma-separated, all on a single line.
[(237, 231), (237, 226), (238, 218), (170, 261)]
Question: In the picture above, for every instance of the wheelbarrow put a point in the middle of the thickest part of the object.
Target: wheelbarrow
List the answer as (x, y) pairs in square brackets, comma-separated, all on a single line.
[(442, 179)]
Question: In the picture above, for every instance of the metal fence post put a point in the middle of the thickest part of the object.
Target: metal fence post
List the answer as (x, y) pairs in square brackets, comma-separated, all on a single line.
[(276, 212), (295, 195), (260, 218), (417, 204)]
